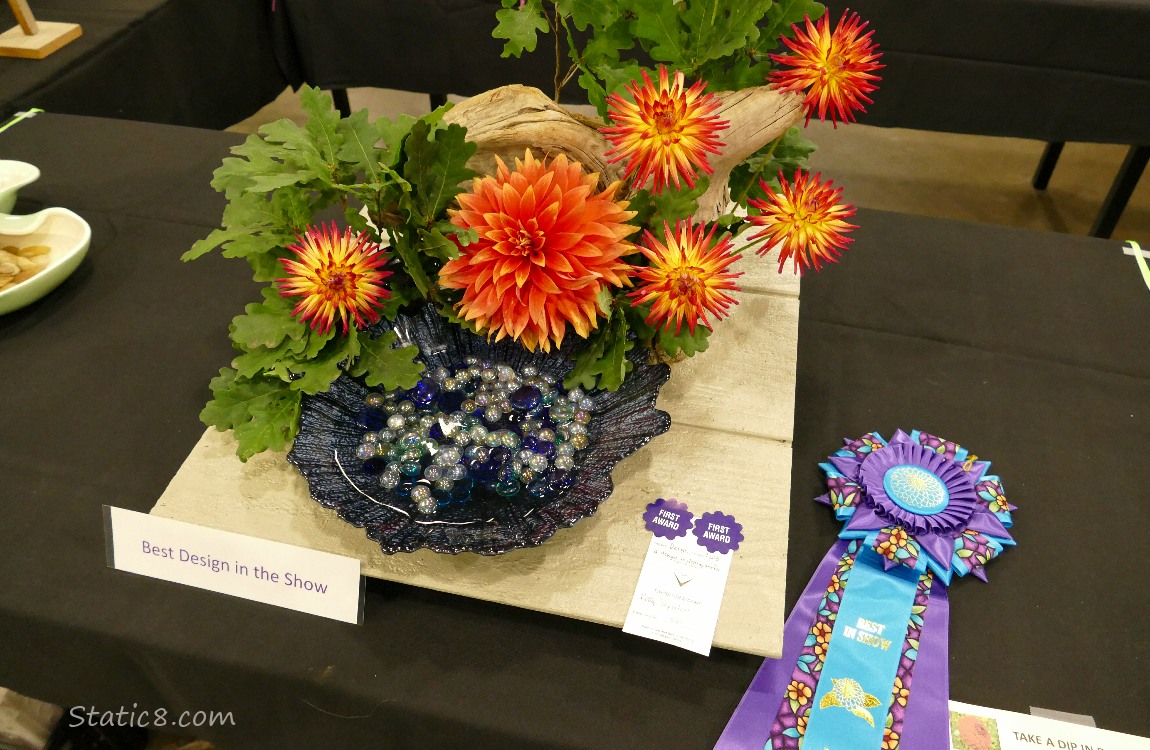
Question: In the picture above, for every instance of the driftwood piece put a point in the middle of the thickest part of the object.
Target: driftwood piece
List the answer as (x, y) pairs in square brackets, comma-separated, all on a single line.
[(507, 120)]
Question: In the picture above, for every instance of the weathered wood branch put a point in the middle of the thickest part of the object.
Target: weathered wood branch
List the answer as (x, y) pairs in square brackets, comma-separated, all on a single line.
[(507, 120)]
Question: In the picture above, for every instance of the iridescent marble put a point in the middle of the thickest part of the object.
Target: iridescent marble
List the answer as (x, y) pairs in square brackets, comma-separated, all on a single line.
[(484, 426)]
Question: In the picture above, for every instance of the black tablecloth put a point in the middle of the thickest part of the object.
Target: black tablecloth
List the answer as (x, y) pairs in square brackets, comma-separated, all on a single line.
[(202, 63), (1062, 70), (1054, 70), (1028, 347)]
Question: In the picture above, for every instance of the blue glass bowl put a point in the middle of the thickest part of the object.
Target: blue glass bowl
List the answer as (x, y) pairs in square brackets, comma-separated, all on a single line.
[(330, 430)]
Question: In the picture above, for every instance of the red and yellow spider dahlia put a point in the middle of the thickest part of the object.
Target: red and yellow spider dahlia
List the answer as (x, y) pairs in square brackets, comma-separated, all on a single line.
[(835, 67), (687, 278), (335, 274), (666, 132), (805, 220), (548, 244)]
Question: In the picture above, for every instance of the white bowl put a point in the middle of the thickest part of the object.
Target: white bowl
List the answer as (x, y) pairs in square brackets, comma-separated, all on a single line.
[(67, 237), (13, 176)]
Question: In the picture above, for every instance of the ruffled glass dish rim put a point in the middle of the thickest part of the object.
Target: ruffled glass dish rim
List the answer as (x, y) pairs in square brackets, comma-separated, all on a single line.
[(323, 451)]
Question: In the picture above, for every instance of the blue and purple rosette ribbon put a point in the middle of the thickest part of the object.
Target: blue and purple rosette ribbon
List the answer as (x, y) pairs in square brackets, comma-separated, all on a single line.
[(864, 664)]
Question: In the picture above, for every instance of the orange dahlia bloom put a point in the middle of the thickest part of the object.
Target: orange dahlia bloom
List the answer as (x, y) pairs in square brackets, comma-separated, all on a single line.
[(666, 132), (687, 277), (548, 244), (804, 220), (335, 274), (835, 67)]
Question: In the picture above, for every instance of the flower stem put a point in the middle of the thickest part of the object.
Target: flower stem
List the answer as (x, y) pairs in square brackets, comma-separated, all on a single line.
[(742, 199), (558, 59)]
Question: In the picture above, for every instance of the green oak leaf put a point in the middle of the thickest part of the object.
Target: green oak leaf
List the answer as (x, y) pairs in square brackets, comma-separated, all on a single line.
[(359, 138), (718, 29), (318, 142), (254, 244), (410, 257), (747, 71), (657, 21), (596, 94), (520, 27), (434, 244), (266, 266), (668, 206), (605, 80), (263, 413), (317, 373), (788, 155), (269, 361), (603, 362), (393, 134), (214, 240), (382, 365), (322, 124), (266, 324), (436, 164), (264, 166), (355, 219), (637, 321), (297, 144), (584, 13), (785, 13), (684, 341)]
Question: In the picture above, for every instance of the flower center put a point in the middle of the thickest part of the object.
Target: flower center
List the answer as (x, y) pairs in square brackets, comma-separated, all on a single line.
[(685, 282), (337, 283), (528, 241), (666, 118), (833, 65)]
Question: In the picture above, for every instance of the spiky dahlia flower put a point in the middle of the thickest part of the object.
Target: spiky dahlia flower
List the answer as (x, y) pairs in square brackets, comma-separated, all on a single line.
[(805, 220), (835, 68), (666, 132), (548, 244), (335, 274), (687, 278)]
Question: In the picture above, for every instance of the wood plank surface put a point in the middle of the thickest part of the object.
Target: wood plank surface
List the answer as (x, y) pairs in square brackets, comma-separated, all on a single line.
[(729, 449)]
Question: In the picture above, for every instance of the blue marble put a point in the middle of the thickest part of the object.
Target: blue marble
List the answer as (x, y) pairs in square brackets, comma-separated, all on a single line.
[(527, 399), (424, 393)]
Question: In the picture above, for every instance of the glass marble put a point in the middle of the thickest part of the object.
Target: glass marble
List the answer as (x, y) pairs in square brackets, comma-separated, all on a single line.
[(485, 425)]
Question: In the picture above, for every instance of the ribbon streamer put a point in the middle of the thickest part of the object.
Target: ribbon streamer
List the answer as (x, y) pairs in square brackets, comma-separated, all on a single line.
[(18, 117), (874, 619), (1140, 258)]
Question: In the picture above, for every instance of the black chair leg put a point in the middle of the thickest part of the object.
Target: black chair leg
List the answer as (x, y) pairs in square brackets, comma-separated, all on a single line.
[(339, 99), (1047, 164), (437, 100), (1120, 191)]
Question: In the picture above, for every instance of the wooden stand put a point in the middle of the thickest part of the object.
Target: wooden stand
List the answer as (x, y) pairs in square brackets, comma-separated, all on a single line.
[(35, 39)]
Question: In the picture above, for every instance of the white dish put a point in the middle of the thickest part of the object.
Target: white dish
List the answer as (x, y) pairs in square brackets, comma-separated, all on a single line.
[(13, 176), (65, 234)]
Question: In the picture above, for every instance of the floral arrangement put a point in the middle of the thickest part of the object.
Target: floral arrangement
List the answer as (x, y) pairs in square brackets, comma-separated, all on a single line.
[(347, 221)]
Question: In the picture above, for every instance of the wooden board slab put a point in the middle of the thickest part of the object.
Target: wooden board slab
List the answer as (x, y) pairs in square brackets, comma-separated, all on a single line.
[(49, 37), (729, 449)]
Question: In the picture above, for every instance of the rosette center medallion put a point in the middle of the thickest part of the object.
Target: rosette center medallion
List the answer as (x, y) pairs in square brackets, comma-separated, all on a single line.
[(916, 489)]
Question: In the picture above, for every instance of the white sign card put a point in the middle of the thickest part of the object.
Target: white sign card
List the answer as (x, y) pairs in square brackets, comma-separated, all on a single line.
[(306, 580), (979, 728), (684, 576)]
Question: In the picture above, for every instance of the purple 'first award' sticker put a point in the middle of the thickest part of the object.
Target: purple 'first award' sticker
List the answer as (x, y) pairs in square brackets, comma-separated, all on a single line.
[(718, 532), (669, 519)]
